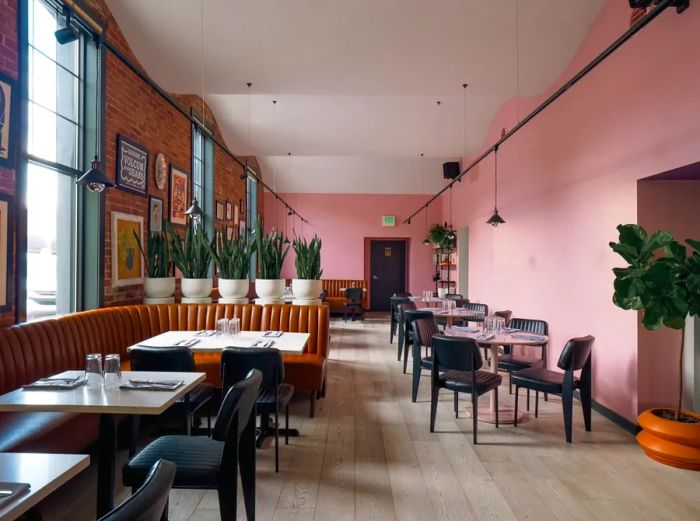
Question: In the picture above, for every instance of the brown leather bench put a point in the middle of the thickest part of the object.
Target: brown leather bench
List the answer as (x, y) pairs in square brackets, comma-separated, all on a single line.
[(33, 350), (336, 298)]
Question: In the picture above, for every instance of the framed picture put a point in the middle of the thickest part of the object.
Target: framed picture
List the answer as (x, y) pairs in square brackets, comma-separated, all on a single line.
[(229, 210), (132, 166), (236, 217), (241, 207), (127, 265), (8, 93), (241, 228), (155, 214), (229, 232), (6, 271), (179, 194), (219, 211)]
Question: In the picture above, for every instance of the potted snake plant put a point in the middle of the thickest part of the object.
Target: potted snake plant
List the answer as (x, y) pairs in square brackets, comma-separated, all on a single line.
[(192, 257), (307, 286), (663, 282), (271, 254), (232, 259), (159, 283)]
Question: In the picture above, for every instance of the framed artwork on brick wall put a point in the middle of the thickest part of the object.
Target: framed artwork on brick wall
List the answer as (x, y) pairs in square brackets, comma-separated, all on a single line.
[(8, 103), (236, 215), (229, 210), (127, 266), (179, 194), (219, 211), (6, 253), (132, 166), (155, 214)]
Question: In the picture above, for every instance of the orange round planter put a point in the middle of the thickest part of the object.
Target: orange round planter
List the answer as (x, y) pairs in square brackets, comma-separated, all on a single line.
[(670, 442)]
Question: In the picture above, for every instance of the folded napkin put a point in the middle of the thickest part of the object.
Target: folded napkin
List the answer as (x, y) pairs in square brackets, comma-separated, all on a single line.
[(527, 336), (56, 383), (273, 334), (484, 336), (428, 309), (466, 329), (511, 330), (262, 343), (151, 385), (10, 491)]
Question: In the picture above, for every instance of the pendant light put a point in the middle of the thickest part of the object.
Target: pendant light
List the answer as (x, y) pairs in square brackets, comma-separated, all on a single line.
[(451, 233), (95, 179), (195, 212), (289, 210), (495, 219), (426, 241)]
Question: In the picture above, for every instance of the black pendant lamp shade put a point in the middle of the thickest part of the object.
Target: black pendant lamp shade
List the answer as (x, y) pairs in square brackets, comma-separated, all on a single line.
[(194, 211), (95, 179), (495, 219)]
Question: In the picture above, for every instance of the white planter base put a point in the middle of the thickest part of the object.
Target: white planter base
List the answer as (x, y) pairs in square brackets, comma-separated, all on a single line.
[(233, 301), (196, 300), (162, 300), (306, 302), (263, 301)]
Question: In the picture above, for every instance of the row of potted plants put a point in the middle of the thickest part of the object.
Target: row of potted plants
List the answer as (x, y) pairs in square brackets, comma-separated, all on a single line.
[(195, 253)]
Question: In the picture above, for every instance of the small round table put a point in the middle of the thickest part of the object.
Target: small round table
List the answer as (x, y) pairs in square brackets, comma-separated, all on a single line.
[(505, 413)]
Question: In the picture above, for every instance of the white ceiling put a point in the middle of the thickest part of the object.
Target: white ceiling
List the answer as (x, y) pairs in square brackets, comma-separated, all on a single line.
[(356, 82)]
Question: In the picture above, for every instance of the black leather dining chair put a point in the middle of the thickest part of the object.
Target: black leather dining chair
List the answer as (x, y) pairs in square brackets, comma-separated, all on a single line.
[(510, 361), (179, 360), (353, 304), (424, 327), (405, 333), (150, 501), (394, 319), (576, 356), (457, 367), (212, 463), (275, 395)]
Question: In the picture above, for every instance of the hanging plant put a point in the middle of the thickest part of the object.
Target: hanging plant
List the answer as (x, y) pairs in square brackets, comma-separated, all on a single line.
[(442, 236)]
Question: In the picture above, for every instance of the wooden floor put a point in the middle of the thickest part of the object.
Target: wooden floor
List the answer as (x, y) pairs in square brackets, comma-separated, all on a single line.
[(369, 455)]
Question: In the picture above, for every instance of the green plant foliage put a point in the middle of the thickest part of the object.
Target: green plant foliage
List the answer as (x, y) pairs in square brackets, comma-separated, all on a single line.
[(657, 285), (192, 255), (232, 256), (271, 252), (439, 235), (308, 258), (157, 258)]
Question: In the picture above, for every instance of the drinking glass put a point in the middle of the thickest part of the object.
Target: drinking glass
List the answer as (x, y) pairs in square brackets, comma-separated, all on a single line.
[(113, 371), (488, 324), (93, 370), (234, 326), (222, 327), (500, 324)]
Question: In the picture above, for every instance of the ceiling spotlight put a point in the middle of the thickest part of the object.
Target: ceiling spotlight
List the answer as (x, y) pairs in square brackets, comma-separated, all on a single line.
[(67, 33), (426, 242), (495, 219), (289, 211), (409, 221)]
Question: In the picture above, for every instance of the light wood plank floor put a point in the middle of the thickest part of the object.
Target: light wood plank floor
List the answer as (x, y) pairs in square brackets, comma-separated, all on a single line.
[(369, 455)]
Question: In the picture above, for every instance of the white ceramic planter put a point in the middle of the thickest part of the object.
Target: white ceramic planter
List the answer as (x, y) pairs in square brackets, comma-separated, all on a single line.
[(196, 288), (306, 289), (269, 288), (234, 288), (159, 288), (442, 292)]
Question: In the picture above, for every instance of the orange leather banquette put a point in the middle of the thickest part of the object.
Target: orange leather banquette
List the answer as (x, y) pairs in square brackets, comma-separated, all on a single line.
[(36, 349), (336, 298)]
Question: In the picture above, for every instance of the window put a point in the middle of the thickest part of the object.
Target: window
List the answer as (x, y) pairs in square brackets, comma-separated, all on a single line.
[(55, 132), (203, 175)]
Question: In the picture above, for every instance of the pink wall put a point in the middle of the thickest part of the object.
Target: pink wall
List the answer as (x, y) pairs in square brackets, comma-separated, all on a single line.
[(569, 178), (670, 206), (344, 220)]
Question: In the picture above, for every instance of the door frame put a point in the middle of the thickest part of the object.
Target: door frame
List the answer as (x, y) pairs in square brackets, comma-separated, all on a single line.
[(368, 259)]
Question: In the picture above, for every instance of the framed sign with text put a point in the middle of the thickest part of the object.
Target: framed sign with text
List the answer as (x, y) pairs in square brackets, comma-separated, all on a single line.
[(132, 166)]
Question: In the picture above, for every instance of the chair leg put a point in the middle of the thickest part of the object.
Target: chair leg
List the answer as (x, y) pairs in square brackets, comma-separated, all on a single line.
[(323, 388), (434, 396), (416, 377), (515, 411), (528, 399), (134, 436), (277, 440), (567, 403), (496, 400), (392, 329), (312, 405), (546, 397), (475, 414), (246, 459), (227, 490), (510, 382), (401, 339), (405, 357), (586, 406), (537, 403), (456, 404), (164, 515)]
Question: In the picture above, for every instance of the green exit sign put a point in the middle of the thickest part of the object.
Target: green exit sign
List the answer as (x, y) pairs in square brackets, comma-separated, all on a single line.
[(388, 220)]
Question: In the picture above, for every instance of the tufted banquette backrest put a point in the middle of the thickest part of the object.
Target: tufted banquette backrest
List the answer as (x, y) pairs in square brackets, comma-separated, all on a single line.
[(33, 350)]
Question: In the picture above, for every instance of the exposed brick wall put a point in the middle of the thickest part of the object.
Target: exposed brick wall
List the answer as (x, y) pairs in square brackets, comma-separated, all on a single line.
[(9, 60), (138, 112)]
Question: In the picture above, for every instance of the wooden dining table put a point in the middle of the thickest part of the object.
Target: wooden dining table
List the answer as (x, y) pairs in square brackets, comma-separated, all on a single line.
[(108, 403), (501, 338)]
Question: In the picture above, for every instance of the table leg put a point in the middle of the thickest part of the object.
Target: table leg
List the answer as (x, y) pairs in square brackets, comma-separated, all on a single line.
[(107, 449)]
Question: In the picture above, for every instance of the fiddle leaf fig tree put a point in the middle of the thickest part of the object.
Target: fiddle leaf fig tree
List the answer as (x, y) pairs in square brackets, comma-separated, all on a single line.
[(661, 280)]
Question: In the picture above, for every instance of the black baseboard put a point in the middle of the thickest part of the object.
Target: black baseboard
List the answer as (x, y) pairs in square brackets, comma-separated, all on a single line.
[(611, 415)]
